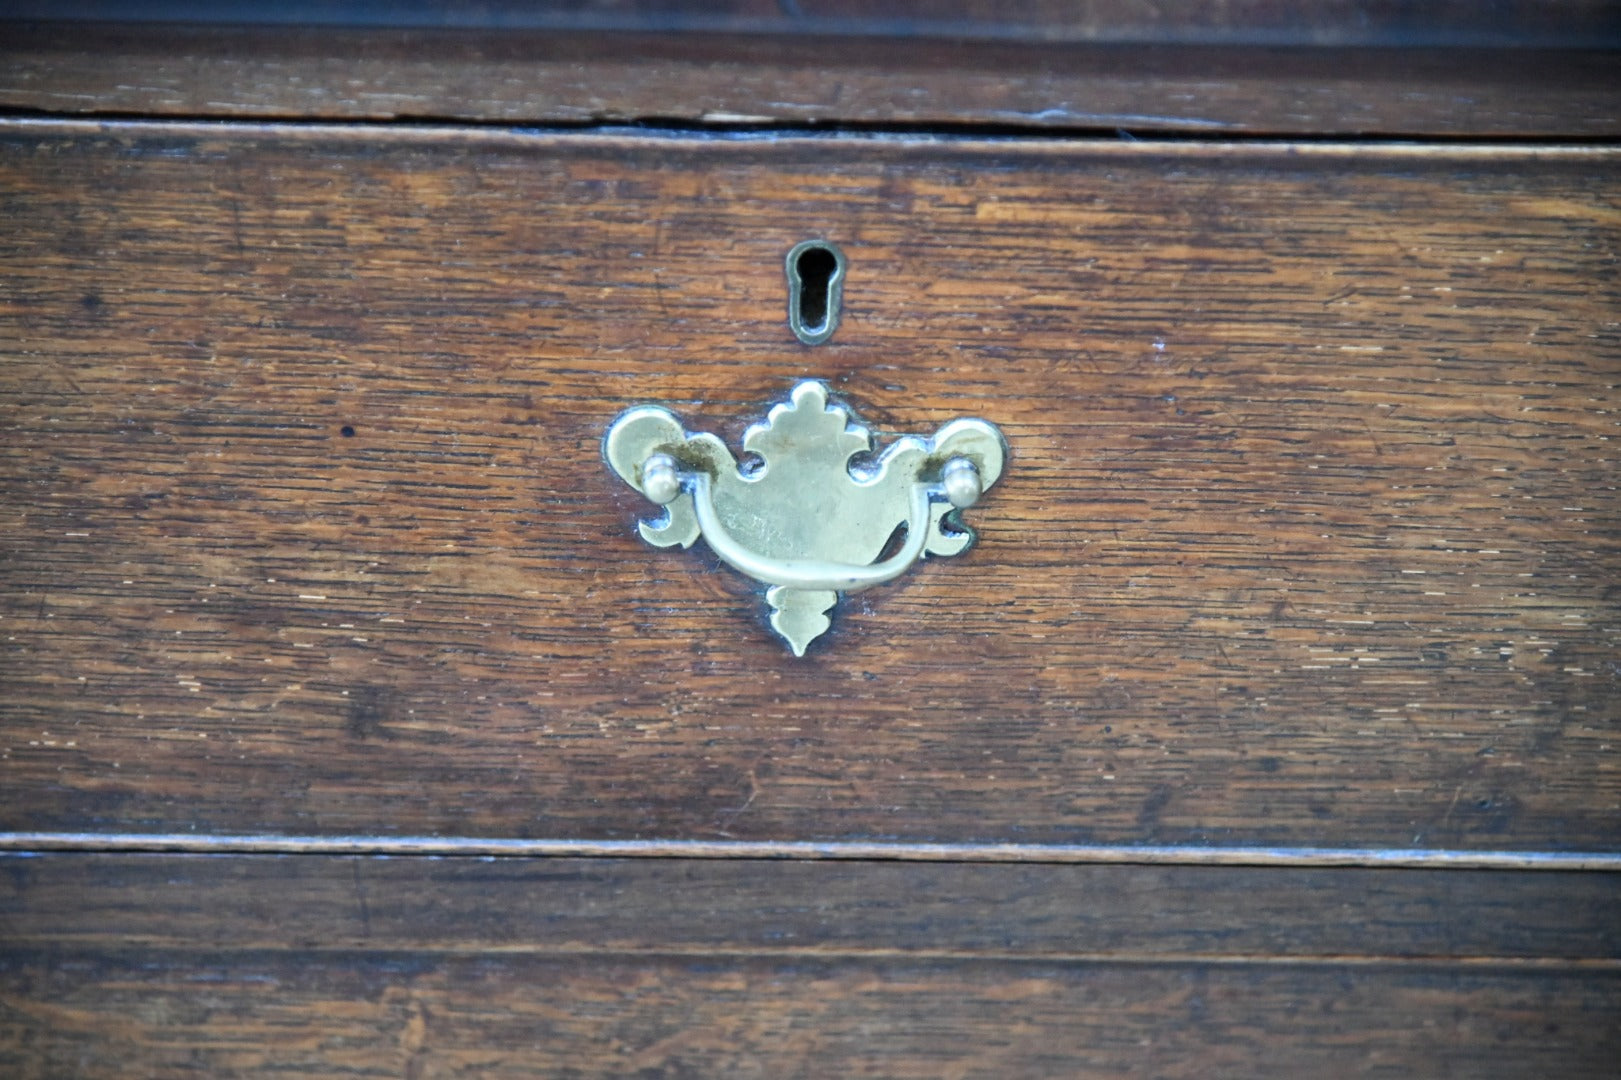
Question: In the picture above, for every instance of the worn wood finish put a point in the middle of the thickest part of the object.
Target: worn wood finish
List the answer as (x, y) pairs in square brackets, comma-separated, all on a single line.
[(759, 907), (314, 965), (1135, 82), (1311, 541), (220, 1014), (1310, 536)]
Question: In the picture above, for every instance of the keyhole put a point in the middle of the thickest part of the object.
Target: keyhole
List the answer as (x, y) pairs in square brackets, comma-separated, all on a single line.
[(815, 286)]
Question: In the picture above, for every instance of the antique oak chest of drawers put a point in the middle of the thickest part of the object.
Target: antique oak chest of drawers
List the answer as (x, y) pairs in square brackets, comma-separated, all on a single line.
[(1270, 728)]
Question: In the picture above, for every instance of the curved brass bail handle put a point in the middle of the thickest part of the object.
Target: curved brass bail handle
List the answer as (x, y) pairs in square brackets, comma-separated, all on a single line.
[(805, 447), (811, 573)]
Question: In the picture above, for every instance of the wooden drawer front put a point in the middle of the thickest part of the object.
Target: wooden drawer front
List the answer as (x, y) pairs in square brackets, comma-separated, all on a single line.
[(1310, 535), (313, 966), (1299, 594)]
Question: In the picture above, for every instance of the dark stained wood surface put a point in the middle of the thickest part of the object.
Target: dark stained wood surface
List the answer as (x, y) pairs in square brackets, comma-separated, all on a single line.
[(1326, 81), (1311, 542), (227, 1013), (1310, 535), (799, 908), (318, 965)]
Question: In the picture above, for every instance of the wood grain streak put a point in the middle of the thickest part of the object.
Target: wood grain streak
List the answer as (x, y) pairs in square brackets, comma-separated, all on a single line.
[(1310, 536)]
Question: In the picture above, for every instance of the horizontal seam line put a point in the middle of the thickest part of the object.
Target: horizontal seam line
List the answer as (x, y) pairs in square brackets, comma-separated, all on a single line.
[(982, 138), (113, 843)]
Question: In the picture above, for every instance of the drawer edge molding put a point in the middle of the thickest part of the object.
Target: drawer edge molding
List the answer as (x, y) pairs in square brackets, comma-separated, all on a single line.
[(288, 844)]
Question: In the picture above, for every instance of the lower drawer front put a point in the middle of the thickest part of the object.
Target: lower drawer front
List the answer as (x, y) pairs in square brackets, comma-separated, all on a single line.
[(176, 965), (520, 1015)]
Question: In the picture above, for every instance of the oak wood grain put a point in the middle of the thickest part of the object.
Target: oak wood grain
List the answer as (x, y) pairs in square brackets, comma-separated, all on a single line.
[(222, 1014), (711, 907), (1326, 80), (316, 965), (1309, 538)]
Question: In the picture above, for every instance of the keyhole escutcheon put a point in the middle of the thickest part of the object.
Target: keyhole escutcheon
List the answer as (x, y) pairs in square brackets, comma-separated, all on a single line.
[(815, 289)]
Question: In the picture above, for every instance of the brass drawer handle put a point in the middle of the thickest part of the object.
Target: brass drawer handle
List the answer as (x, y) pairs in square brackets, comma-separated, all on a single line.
[(808, 521), (812, 574)]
